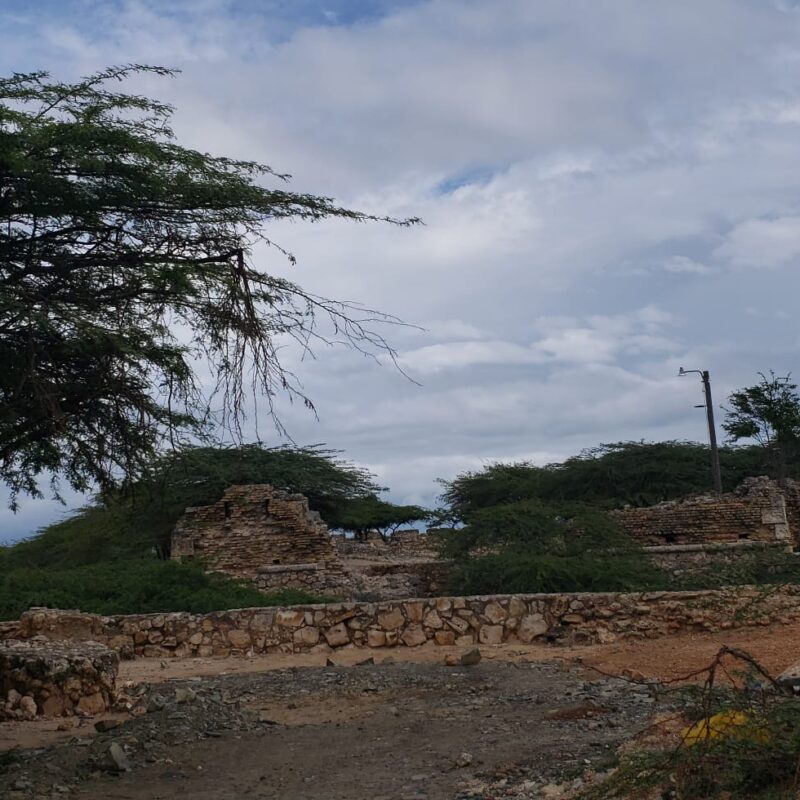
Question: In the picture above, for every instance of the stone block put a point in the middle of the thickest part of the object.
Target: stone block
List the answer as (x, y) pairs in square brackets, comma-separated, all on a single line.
[(433, 620), (239, 639), (414, 611), (290, 618), (531, 626), (306, 637), (495, 613), (444, 638), (491, 634), (517, 607), (391, 620), (376, 638), (414, 635), (337, 636)]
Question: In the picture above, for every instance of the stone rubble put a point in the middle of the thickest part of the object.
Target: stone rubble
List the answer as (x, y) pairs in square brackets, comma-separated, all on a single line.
[(495, 701), (52, 678)]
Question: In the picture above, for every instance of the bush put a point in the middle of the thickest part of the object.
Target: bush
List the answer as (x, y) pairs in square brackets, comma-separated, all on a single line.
[(761, 568), (531, 547), (745, 746), (132, 586), (513, 572), (608, 476)]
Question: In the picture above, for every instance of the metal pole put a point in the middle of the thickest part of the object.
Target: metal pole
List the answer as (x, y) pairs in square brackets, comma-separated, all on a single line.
[(712, 433)]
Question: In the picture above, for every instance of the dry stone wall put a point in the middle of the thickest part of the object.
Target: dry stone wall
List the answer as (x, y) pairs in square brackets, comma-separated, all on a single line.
[(580, 618), (255, 528), (756, 511), (43, 677)]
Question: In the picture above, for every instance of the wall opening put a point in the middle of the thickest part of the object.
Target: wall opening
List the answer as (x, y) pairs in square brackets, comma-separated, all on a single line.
[(670, 538), (266, 508), (228, 509)]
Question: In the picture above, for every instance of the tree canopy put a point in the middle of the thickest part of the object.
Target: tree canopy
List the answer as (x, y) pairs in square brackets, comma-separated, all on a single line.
[(610, 476), (126, 260), (769, 413), (367, 513), (137, 520)]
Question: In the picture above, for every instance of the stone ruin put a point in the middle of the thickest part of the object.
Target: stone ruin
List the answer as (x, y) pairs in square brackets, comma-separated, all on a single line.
[(690, 533), (39, 676), (403, 545), (264, 535)]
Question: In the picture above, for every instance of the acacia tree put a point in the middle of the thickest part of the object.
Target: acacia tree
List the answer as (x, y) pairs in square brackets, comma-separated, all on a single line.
[(370, 513), (769, 413), (125, 262)]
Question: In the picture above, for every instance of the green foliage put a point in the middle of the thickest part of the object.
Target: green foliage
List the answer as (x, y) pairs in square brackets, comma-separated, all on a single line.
[(531, 547), (525, 571), (125, 260), (138, 521), (768, 567), (608, 476), (768, 412), (130, 586), (371, 513)]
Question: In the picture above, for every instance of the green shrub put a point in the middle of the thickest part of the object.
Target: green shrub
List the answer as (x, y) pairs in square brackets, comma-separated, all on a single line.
[(131, 586), (745, 747), (512, 572), (759, 568), (532, 547)]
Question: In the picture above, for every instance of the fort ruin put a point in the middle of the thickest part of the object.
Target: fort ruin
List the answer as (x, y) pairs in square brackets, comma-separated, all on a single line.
[(264, 535)]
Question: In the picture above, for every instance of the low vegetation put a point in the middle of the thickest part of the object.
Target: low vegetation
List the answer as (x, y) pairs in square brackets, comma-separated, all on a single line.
[(740, 740), (129, 586), (532, 547)]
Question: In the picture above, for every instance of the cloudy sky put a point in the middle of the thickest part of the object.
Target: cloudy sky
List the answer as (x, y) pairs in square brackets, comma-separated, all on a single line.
[(610, 190)]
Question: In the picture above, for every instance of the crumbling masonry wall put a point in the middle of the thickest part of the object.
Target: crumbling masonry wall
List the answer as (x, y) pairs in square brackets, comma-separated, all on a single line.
[(263, 535), (758, 511), (574, 618)]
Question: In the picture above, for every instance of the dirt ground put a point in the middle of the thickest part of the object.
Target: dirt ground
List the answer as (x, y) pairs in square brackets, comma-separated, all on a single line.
[(403, 728)]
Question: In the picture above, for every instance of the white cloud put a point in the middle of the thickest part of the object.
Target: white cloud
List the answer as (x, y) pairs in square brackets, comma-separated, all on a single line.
[(588, 174), (686, 265), (763, 243)]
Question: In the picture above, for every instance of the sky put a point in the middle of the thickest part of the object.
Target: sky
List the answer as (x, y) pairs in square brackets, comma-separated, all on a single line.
[(610, 190)]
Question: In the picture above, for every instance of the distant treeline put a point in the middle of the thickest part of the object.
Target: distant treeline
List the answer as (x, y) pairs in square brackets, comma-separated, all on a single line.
[(608, 476)]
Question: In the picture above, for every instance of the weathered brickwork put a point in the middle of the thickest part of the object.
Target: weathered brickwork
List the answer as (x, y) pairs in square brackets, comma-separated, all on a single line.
[(264, 535), (580, 618), (400, 546), (758, 510)]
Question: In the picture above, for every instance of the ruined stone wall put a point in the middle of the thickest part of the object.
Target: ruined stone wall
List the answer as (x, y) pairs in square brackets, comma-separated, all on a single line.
[(392, 579), (255, 528), (38, 676), (756, 511), (579, 618), (400, 546), (682, 560)]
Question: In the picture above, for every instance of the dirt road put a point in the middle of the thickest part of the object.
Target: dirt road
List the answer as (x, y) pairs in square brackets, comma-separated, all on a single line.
[(410, 728)]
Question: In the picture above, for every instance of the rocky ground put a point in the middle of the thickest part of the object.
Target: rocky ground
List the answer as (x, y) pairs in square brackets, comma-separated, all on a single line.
[(526, 722), (393, 731)]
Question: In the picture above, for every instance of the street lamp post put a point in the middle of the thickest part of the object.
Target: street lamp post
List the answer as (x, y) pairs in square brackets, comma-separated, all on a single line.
[(712, 431)]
